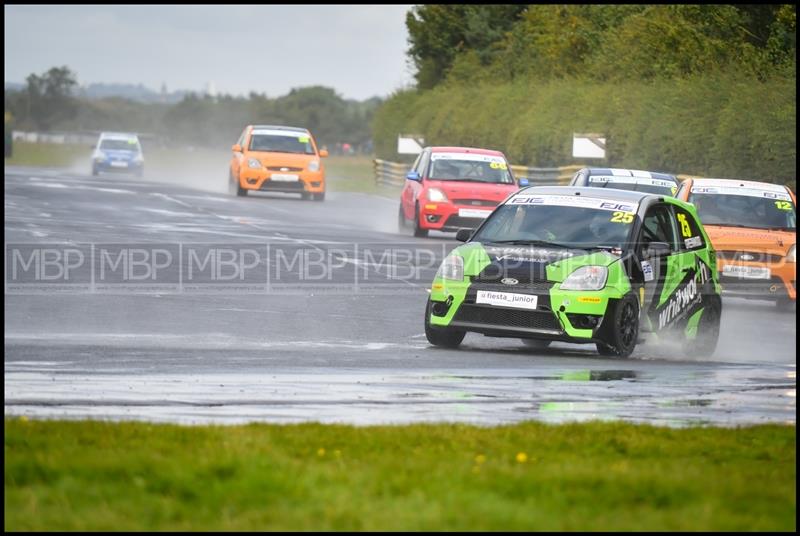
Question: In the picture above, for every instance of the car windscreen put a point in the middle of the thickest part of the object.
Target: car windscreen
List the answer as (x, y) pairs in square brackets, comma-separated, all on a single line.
[(472, 168), (295, 143), (119, 145), (759, 210), (581, 223), (651, 186)]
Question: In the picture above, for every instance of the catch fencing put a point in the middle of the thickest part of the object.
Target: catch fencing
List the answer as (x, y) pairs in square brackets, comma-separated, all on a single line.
[(394, 173)]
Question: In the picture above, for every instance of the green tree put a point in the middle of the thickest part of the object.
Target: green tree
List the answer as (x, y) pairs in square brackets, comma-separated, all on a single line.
[(557, 40), (49, 98), (438, 33)]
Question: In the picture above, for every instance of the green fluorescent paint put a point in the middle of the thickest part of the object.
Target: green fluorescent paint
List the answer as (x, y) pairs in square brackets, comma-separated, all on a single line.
[(691, 326)]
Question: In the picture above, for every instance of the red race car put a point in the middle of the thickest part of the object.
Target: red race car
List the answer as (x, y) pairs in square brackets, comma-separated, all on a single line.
[(451, 188)]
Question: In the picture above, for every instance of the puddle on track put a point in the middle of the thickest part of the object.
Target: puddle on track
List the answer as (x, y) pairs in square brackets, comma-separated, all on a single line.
[(723, 395)]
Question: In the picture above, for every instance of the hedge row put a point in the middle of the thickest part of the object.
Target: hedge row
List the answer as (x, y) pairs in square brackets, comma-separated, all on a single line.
[(714, 125)]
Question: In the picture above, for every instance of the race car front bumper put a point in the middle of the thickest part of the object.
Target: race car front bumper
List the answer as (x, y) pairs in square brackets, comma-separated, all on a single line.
[(119, 166), (261, 179), (570, 316), (758, 281), (451, 217)]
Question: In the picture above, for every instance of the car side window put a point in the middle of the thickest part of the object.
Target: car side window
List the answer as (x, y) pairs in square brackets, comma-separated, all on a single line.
[(657, 227), (683, 186), (415, 166), (423, 163), (688, 230)]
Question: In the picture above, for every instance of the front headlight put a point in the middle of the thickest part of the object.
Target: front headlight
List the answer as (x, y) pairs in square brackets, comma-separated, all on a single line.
[(792, 255), (252, 163), (436, 195), (138, 159), (99, 157), (586, 278), (313, 165), (452, 268)]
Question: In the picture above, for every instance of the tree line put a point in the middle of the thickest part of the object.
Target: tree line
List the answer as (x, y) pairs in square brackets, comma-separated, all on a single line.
[(48, 102), (704, 89)]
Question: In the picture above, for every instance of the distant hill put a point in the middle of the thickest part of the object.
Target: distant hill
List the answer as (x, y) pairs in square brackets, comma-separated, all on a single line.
[(135, 92)]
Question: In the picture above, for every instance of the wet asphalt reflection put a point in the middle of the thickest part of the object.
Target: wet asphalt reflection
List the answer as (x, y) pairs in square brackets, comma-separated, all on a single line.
[(358, 358)]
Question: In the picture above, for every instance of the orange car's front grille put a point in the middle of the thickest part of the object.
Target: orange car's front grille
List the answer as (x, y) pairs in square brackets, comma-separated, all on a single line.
[(284, 168), (475, 202), (753, 256)]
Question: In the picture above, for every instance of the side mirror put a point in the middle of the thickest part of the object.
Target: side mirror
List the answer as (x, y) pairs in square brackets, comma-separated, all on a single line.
[(523, 182), (413, 176), (237, 148), (323, 153), (462, 235), (656, 249)]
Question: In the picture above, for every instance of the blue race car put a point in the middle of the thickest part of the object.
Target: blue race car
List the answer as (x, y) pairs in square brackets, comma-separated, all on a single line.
[(118, 152)]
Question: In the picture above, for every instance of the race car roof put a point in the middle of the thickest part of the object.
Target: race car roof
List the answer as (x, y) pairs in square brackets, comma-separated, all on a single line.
[(279, 127), (734, 183), (629, 196), (475, 150), (118, 136), (632, 173)]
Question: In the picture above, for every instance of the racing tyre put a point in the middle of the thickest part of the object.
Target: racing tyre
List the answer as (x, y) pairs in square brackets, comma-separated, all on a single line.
[(305, 196), (401, 219), (705, 342), (536, 344), (440, 336), (241, 192), (784, 304), (95, 173), (319, 196), (418, 231), (620, 335)]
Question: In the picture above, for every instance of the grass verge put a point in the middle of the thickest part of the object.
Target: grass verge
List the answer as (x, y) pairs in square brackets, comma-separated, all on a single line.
[(356, 174), (49, 155), (531, 476), (200, 167)]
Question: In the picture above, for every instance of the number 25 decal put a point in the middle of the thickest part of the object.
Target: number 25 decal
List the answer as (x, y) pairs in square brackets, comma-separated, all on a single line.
[(685, 229), (621, 217), (783, 205)]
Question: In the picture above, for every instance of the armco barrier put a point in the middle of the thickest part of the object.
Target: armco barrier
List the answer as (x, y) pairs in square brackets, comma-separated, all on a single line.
[(545, 176), (390, 173), (394, 173)]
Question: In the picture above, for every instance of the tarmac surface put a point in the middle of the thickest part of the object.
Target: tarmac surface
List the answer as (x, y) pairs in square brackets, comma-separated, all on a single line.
[(141, 299)]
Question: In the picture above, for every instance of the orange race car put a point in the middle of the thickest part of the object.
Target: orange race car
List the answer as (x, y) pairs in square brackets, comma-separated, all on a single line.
[(272, 158), (753, 228)]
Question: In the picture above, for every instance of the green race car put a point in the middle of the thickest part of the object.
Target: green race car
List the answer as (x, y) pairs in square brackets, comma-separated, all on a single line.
[(581, 265)]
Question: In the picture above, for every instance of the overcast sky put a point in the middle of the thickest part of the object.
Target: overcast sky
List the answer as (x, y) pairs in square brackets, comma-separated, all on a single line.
[(357, 50)]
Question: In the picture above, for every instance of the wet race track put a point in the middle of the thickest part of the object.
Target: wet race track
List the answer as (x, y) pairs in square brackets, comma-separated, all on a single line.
[(316, 315)]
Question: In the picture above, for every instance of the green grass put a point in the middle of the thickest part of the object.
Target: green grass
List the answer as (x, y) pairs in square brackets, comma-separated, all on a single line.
[(200, 166), (355, 174), (49, 154), (596, 476)]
